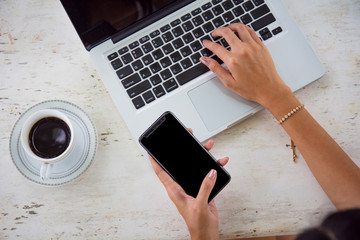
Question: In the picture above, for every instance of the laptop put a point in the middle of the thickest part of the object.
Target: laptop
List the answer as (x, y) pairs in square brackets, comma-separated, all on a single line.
[(147, 55)]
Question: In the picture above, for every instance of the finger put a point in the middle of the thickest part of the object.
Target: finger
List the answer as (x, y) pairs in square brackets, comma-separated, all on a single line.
[(209, 144), (223, 161), (254, 36), (216, 48), (242, 31), (174, 190), (223, 74), (206, 187), (228, 34), (190, 130)]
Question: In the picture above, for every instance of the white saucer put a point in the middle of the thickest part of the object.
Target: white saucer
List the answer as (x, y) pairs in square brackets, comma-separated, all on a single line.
[(79, 158)]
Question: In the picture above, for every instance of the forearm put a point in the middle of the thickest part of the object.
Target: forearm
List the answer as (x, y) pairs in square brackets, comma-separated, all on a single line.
[(337, 174)]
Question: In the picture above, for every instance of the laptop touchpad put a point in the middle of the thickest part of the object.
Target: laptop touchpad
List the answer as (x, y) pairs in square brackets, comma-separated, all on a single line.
[(218, 106)]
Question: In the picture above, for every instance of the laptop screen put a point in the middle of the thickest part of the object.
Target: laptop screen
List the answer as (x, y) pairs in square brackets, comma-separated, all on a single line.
[(97, 20)]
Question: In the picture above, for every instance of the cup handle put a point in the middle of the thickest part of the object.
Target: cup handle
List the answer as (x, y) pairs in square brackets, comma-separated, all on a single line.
[(45, 171)]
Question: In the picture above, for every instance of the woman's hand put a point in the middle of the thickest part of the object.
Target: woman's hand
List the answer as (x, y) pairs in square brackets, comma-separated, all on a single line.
[(200, 216), (252, 73)]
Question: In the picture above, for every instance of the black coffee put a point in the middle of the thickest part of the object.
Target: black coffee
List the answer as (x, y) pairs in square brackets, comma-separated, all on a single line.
[(49, 137)]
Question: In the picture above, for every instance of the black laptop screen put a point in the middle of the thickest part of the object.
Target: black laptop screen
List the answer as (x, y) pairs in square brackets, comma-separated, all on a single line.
[(96, 20)]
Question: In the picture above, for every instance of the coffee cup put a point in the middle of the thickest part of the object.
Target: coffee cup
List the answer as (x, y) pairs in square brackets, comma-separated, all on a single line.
[(47, 136)]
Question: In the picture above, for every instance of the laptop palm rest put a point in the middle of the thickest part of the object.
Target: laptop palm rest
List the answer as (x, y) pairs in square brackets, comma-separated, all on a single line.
[(218, 106)]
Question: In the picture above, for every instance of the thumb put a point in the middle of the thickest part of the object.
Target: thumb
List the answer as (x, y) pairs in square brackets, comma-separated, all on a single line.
[(207, 186)]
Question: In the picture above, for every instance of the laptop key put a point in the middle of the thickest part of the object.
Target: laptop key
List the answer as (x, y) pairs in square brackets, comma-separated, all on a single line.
[(137, 65), (228, 16), (206, 52), (197, 21), (123, 50), (139, 88), (178, 43), (144, 39), (217, 10), (166, 74), (245, 19), (130, 81), (206, 6), (266, 36), (127, 58), (116, 64), (165, 62), (155, 80), (260, 11), (263, 22), (167, 36), (112, 56), (196, 46), (157, 54), (157, 42), (154, 33), (227, 5), (198, 32), (277, 30), (175, 69), (175, 22), (170, 85), (238, 11), (248, 6), (147, 47), (186, 63), (185, 51), (159, 91), (155, 67), (188, 38), (237, 2), (138, 102), (258, 2), (147, 59), (124, 72), (148, 97), (165, 28), (207, 15), (134, 45), (191, 73), (196, 12), (145, 73), (195, 58), (185, 17), (218, 22), (137, 53), (168, 48), (175, 56), (177, 31), (187, 26), (216, 1), (208, 27)]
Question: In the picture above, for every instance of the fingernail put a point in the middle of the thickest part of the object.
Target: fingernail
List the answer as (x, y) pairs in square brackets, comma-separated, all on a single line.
[(204, 61), (212, 174)]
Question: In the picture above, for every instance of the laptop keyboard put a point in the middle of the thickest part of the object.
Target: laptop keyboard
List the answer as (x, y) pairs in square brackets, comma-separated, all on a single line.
[(168, 58)]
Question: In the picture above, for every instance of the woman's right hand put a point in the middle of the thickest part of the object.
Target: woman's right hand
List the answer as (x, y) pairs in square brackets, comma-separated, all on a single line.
[(252, 73)]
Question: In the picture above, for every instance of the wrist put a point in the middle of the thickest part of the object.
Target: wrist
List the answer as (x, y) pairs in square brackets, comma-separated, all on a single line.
[(281, 102)]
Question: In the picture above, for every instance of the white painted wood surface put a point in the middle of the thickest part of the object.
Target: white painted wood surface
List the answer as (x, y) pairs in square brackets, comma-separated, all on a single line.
[(119, 196)]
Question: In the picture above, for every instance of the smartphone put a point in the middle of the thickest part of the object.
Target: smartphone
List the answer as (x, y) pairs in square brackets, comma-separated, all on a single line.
[(181, 155)]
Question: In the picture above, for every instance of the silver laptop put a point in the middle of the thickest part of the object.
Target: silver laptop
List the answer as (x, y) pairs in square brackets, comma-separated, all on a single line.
[(147, 54)]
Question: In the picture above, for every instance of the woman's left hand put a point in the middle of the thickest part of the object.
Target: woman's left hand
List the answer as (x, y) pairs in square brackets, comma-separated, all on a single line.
[(200, 216)]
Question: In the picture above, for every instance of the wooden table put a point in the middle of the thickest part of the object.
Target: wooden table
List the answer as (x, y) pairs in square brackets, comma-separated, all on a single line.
[(119, 196)]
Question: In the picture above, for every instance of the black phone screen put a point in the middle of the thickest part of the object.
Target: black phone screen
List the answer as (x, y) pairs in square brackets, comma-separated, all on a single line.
[(181, 155)]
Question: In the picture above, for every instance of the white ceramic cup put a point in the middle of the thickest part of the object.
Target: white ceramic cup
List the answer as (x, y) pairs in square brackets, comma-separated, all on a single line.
[(47, 163)]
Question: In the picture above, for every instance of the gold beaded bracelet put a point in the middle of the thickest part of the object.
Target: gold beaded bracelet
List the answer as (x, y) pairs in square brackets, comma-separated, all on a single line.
[(292, 112)]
